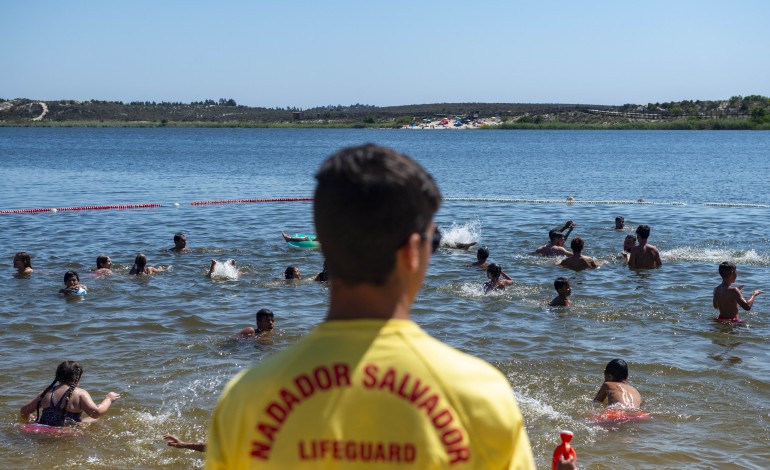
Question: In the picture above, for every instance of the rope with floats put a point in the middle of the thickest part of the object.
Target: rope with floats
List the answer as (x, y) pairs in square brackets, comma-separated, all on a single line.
[(569, 200), (240, 201), (80, 208)]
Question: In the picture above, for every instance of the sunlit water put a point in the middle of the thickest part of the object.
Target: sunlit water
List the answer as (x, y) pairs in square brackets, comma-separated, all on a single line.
[(166, 342)]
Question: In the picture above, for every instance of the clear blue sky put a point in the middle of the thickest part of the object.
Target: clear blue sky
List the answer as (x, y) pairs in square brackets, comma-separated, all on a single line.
[(310, 53)]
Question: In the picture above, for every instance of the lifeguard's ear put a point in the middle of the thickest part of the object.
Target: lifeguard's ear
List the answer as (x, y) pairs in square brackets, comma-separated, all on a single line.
[(408, 256)]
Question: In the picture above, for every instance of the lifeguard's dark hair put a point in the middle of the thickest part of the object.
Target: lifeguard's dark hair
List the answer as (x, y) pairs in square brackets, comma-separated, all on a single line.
[(643, 231), (68, 372), (726, 268), (25, 259), (618, 369), (577, 244), (368, 201), (101, 261), (560, 282), (482, 254)]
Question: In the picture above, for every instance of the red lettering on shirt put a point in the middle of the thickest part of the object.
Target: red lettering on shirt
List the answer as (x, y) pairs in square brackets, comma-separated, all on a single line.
[(268, 431), (389, 380), (260, 450), (276, 412), (289, 400), (370, 377), (429, 404), (443, 418), (304, 385), (322, 378), (342, 375)]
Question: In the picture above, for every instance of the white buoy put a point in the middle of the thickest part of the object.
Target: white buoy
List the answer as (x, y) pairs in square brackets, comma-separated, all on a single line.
[(54, 210), (176, 204)]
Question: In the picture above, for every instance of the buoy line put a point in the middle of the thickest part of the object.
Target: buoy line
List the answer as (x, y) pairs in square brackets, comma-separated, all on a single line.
[(730, 204), (80, 208), (239, 201), (562, 201)]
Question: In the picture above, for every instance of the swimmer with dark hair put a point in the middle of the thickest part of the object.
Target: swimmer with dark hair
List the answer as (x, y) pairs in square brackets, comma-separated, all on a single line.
[(74, 287), (563, 290), (556, 240), (180, 243), (323, 276), (620, 222), (22, 262), (265, 323), (576, 261), (103, 265), (494, 274), (482, 254), (140, 267), (615, 389), (291, 273)]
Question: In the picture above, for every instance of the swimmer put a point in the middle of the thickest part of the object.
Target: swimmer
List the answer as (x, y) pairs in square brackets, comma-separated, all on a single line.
[(576, 261), (74, 287), (103, 266), (644, 255), (727, 297), (620, 222), (265, 323), (615, 389), (214, 266), (180, 243), (563, 290), (323, 276), (63, 401), (174, 441), (481, 258), (628, 244), (298, 239), (494, 273), (291, 273), (557, 238), (22, 262), (140, 267)]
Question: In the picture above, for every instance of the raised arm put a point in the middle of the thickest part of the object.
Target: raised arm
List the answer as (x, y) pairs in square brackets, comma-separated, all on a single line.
[(92, 409), (746, 304)]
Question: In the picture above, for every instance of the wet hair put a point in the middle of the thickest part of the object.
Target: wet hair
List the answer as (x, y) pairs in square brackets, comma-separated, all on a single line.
[(482, 253), (630, 236), (101, 261), (643, 231), (577, 244), (560, 282), (68, 372), (139, 264), (25, 259), (323, 276), (726, 268), (619, 219), (180, 237), (289, 273), (553, 234), (264, 312), (69, 275), (495, 270), (618, 369), (368, 201)]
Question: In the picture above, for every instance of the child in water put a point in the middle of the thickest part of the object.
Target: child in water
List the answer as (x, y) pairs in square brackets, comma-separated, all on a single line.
[(265, 323), (494, 273), (563, 290), (615, 389), (74, 287), (140, 266), (727, 297), (22, 262)]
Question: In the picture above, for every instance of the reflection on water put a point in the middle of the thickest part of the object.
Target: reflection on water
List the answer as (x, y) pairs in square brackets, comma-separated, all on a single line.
[(166, 342)]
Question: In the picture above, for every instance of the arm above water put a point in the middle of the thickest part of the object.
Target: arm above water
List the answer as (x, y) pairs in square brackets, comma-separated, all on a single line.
[(92, 409), (174, 441), (601, 395)]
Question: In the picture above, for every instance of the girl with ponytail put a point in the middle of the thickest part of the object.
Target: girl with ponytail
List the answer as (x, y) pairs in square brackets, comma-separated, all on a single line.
[(62, 402)]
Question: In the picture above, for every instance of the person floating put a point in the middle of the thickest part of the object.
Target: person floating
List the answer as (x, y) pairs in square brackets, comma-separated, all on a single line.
[(180, 243), (22, 262), (140, 267), (368, 387), (265, 323), (728, 297), (73, 285), (103, 266), (291, 273), (63, 402)]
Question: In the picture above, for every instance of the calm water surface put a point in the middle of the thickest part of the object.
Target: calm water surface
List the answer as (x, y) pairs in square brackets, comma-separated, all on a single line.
[(166, 342)]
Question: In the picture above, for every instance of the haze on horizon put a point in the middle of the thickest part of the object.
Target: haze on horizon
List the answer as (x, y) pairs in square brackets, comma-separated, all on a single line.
[(308, 54)]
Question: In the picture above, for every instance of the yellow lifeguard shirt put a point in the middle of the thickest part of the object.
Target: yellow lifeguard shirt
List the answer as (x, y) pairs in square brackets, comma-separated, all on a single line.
[(368, 394)]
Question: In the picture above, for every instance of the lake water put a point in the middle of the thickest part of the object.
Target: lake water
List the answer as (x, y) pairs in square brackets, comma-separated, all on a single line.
[(166, 342)]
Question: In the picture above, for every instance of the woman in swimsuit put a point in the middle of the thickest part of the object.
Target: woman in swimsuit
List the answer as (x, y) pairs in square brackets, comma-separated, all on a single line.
[(62, 402), (140, 266)]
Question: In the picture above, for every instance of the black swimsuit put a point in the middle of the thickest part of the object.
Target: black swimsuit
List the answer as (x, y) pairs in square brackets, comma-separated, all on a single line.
[(55, 415)]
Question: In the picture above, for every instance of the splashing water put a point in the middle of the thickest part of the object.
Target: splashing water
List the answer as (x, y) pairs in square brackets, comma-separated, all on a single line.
[(468, 232), (712, 255), (225, 270)]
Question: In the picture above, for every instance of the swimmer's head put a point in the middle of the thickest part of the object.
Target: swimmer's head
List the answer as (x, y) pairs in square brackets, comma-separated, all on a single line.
[(180, 240), (292, 272), (22, 260), (71, 278), (561, 284), (643, 231), (726, 269), (69, 372), (139, 263), (265, 319), (368, 203), (620, 222), (482, 253), (616, 371), (577, 244), (629, 242), (554, 235), (494, 271), (103, 262)]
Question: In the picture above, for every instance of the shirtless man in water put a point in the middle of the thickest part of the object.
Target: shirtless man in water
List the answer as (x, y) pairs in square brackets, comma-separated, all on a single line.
[(615, 389), (557, 238), (728, 297), (644, 255), (576, 261)]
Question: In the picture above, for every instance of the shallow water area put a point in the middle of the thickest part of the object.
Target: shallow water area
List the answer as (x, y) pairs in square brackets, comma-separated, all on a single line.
[(167, 342)]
